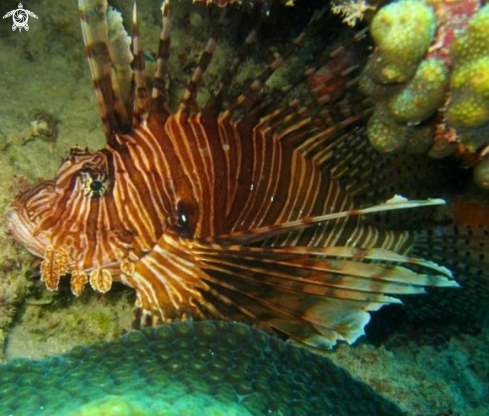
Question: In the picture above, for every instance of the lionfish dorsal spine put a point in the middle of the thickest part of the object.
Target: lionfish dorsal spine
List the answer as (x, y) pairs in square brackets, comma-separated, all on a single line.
[(249, 100), (214, 102), (121, 61), (140, 113), (95, 27), (188, 104), (159, 94)]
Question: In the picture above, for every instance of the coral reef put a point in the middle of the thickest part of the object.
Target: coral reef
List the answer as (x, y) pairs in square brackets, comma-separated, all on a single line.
[(423, 94), (429, 73), (468, 107)]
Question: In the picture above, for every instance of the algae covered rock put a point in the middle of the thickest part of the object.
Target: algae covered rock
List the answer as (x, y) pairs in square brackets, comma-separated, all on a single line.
[(403, 32), (469, 104), (423, 95), (407, 87), (430, 69)]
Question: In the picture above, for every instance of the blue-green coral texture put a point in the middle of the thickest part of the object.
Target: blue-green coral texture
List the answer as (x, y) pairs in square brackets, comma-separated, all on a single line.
[(205, 368)]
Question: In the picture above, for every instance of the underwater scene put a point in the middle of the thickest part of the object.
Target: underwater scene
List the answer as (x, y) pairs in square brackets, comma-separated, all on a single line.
[(244, 207)]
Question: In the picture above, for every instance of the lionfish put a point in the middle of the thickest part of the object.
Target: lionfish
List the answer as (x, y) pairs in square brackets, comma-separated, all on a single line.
[(239, 211)]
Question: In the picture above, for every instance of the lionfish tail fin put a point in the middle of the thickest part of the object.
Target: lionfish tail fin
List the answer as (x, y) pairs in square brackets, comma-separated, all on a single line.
[(109, 58), (313, 295)]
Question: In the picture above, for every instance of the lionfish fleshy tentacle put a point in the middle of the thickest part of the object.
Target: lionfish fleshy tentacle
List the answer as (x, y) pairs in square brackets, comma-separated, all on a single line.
[(110, 96), (140, 93), (188, 104), (159, 94)]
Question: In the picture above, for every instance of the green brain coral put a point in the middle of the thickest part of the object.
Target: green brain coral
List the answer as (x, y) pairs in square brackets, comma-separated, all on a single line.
[(191, 369)]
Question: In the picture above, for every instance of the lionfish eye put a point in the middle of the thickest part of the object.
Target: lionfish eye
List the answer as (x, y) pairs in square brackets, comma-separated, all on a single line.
[(95, 184)]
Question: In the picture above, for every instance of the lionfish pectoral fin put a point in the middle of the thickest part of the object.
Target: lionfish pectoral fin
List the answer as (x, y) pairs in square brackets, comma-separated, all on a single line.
[(265, 232), (330, 321), (169, 284), (315, 295), (109, 58)]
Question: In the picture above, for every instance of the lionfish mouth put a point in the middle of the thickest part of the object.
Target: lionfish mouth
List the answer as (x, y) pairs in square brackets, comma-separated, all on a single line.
[(30, 224), (24, 230), (57, 262)]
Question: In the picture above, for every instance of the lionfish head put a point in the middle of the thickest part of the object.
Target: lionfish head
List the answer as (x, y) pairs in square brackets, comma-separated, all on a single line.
[(69, 222)]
